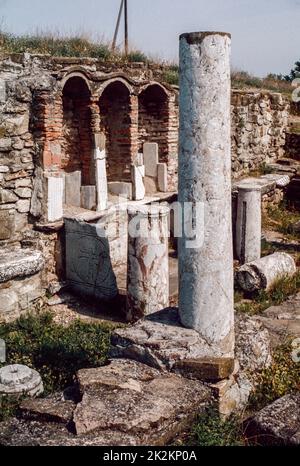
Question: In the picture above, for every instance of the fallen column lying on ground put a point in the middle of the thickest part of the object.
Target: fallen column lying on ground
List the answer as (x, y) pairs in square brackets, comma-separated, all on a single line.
[(263, 273)]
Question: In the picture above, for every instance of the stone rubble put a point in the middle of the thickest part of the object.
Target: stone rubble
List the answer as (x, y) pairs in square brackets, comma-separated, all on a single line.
[(123, 403), (277, 424)]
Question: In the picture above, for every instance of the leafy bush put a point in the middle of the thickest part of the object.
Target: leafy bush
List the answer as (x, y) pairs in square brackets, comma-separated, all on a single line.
[(281, 378), (212, 430), (57, 352)]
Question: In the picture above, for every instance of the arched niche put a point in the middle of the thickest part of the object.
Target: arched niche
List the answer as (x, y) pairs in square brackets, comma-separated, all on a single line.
[(153, 123), (115, 123), (77, 142)]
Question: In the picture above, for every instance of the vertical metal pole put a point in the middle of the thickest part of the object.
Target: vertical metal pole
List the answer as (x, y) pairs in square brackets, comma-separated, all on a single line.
[(126, 28), (117, 26)]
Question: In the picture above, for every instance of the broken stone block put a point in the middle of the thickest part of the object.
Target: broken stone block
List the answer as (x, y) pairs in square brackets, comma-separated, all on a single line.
[(263, 273), (206, 369), (50, 409), (252, 354), (88, 197), (72, 188), (160, 340), (276, 424), (120, 188), (162, 177), (55, 187), (134, 399), (7, 222), (150, 150), (20, 263), (17, 380)]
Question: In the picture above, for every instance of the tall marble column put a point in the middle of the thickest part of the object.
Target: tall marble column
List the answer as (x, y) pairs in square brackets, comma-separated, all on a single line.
[(148, 266), (248, 224), (206, 269)]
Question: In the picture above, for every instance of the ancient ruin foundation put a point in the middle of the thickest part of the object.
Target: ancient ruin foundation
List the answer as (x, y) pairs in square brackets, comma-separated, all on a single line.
[(206, 270)]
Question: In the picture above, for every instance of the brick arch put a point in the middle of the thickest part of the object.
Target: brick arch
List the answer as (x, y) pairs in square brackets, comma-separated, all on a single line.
[(109, 82), (115, 123), (153, 125), (77, 142)]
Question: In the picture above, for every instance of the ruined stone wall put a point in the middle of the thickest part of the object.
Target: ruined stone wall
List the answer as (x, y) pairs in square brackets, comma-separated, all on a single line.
[(259, 123)]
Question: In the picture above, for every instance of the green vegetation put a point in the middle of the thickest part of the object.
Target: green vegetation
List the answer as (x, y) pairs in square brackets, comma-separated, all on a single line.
[(8, 407), (81, 46), (57, 352), (171, 75), (54, 45), (282, 219), (295, 72), (280, 379), (244, 80), (260, 301), (211, 430)]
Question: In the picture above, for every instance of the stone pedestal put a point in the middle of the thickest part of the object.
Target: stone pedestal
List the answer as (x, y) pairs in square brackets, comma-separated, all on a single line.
[(148, 266), (206, 268), (248, 224)]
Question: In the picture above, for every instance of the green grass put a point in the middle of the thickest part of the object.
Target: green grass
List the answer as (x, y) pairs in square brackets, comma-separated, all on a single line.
[(280, 379), (260, 301), (57, 352), (59, 46), (282, 219), (212, 430)]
